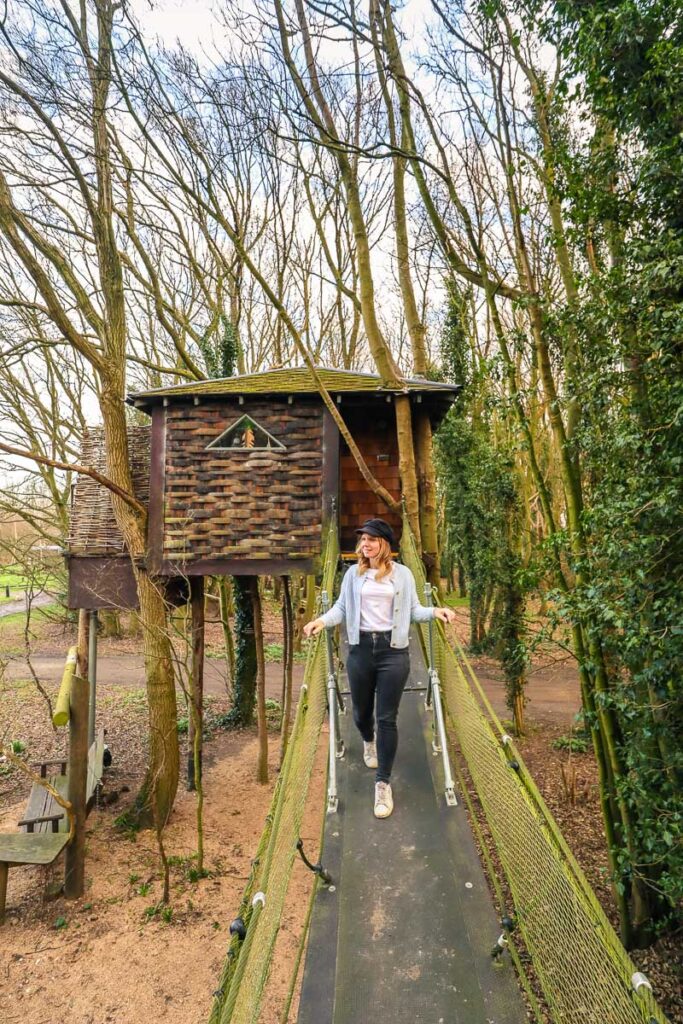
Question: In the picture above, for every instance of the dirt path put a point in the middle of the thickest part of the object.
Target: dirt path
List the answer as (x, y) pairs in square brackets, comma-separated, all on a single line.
[(128, 671), (18, 604), (552, 691)]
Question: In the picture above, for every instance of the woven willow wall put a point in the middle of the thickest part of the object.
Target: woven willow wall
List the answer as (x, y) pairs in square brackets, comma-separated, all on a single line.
[(231, 502), (92, 526)]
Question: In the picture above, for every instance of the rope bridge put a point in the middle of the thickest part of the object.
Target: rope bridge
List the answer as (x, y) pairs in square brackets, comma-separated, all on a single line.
[(585, 975), (245, 971)]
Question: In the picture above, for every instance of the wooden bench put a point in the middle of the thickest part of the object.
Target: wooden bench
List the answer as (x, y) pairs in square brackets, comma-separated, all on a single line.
[(27, 848), (43, 813), (45, 824)]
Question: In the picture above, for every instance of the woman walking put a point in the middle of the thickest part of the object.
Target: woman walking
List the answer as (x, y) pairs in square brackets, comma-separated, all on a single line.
[(378, 601)]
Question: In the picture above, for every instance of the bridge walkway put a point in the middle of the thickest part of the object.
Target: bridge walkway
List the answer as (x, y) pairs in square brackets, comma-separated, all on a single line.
[(404, 934)]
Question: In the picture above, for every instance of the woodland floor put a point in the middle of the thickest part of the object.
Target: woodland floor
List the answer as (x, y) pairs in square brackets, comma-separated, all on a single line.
[(112, 958)]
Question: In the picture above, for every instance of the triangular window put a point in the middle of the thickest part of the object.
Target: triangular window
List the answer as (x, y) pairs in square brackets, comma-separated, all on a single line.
[(244, 435)]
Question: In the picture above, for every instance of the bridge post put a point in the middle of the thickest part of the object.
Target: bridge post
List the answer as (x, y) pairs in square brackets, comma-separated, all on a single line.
[(336, 750), (439, 743)]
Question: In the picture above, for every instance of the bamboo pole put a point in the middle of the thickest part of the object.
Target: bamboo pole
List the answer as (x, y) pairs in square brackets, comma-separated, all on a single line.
[(288, 657), (60, 715), (262, 766), (92, 676)]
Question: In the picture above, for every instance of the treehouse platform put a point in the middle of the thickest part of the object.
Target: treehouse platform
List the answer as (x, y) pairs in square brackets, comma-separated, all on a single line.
[(240, 476)]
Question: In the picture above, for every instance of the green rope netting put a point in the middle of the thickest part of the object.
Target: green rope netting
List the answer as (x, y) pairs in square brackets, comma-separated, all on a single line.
[(245, 971), (583, 969)]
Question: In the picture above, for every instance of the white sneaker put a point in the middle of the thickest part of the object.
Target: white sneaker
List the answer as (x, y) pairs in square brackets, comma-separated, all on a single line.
[(384, 801), (370, 753)]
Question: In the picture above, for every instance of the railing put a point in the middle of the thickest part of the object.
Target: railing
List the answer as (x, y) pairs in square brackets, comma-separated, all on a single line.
[(238, 997), (335, 706), (433, 701), (585, 973)]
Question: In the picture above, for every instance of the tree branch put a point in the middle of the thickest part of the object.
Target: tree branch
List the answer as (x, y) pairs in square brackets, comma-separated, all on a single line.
[(75, 467)]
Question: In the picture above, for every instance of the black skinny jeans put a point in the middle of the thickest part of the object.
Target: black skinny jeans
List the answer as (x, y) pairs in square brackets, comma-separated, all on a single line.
[(376, 669)]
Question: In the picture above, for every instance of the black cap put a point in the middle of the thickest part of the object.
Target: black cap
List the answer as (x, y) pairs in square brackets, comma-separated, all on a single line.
[(378, 528)]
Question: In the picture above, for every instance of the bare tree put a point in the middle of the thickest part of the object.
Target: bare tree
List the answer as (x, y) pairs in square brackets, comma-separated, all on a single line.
[(58, 222)]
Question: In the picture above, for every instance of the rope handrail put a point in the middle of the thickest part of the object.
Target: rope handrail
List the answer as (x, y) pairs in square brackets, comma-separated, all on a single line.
[(585, 973)]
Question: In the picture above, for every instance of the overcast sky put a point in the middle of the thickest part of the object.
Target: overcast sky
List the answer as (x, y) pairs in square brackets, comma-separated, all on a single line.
[(191, 21)]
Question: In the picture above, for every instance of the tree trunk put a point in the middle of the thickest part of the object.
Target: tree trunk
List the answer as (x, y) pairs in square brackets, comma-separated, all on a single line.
[(462, 579), (406, 464), (241, 714), (287, 664), (162, 776), (426, 476), (110, 622), (262, 765), (319, 110), (225, 609), (74, 878), (161, 781)]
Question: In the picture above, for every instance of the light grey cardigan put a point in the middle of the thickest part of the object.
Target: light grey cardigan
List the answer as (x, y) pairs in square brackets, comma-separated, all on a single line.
[(406, 607)]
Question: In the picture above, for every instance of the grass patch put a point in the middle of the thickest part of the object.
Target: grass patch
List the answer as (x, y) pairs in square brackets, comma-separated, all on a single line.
[(275, 652), (9, 685), (160, 910), (11, 626), (182, 861), (135, 700), (273, 713), (127, 826), (454, 600), (574, 743), (18, 583)]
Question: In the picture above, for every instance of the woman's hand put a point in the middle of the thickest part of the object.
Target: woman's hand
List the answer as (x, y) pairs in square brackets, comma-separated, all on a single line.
[(313, 628), (445, 614)]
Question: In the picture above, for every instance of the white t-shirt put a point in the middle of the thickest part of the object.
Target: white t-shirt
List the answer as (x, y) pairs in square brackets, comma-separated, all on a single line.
[(376, 603)]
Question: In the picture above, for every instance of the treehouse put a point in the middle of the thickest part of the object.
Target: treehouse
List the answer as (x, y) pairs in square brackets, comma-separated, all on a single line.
[(240, 476)]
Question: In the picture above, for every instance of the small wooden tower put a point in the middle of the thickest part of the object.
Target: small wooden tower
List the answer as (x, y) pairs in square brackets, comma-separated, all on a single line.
[(240, 477)]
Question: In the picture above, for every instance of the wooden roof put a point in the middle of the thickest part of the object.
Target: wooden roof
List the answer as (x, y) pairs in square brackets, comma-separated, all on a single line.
[(92, 526), (294, 380)]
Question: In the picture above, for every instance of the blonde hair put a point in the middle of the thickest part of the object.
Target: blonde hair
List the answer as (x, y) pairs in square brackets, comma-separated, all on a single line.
[(384, 563)]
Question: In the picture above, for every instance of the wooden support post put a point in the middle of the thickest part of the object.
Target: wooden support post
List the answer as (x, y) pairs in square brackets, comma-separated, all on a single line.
[(74, 880), (196, 715), (4, 871), (92, 676)]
